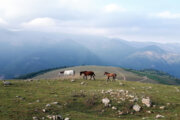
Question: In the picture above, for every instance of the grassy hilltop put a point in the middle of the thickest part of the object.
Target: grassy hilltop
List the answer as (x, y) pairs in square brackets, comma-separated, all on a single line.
[(82, 99)]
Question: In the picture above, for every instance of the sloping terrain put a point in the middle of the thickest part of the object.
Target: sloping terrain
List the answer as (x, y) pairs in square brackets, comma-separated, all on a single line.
[(99, 71), (82, 100)]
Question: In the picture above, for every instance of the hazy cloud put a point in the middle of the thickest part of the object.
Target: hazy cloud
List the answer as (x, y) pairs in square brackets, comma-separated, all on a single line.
[(114, 8)]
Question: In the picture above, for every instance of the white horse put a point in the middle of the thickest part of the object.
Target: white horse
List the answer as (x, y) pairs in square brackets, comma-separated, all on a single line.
[(67, 73)]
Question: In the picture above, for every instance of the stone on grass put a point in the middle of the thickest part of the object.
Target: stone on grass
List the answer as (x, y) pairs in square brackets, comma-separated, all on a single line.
[(72, 80), (67, 118), (162, 107), (114, 108), (54, 103), (106, 101), (136, 108), (55, 117), (159, 116), (35, 118), (48, 105), (146, 101)]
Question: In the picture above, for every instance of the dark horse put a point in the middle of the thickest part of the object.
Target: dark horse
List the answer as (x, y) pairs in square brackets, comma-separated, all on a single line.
[(113, 75), (87, 73)]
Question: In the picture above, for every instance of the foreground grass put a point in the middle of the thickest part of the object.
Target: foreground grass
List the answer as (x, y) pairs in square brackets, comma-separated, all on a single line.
[(23, 100)]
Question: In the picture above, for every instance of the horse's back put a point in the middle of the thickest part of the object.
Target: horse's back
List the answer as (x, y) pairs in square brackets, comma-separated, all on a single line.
[(69, 72)]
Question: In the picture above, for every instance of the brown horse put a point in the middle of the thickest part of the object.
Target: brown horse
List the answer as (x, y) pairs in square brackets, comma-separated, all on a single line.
[(87, 73), (113, 75)]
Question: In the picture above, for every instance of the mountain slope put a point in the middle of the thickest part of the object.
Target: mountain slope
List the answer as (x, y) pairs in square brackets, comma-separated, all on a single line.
[(147, 76), (82, 99)]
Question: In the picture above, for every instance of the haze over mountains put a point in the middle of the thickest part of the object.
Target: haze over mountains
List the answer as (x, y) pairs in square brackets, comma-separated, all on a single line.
[(24, 52)]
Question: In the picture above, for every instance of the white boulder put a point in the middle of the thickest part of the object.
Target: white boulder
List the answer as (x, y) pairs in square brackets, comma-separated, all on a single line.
[(106, 101), (136, 108), (146, 101)]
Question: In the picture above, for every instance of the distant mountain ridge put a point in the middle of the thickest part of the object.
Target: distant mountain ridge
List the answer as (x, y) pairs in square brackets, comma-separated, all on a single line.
[(25, 52)]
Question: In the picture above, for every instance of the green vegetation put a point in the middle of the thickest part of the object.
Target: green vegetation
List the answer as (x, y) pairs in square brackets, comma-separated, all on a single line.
[(159, 76), (81, 99)]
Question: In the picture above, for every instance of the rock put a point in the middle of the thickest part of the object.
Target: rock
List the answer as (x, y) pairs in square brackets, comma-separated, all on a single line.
[(54, 103), (167, 104), (44, 110), (72, 80), (82, 83), (114, 108), (159, 116), (35, 118), (106, 101), (67, 118), (48, 105), (148, 112), (136, 108), (162, 107), (121, 84), (37, 100), (120, 112), (55, 117), (146, 101)]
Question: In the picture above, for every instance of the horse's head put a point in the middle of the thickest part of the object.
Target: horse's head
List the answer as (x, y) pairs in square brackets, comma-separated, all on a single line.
[(81, 73), (105, 73)]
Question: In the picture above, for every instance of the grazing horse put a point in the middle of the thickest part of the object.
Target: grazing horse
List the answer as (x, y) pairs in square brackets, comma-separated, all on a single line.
[(87, 73), (113, 75), (67, 73)]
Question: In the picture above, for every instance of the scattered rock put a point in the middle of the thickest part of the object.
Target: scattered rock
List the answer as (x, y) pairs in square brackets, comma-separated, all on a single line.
[(167, 104), (121, 84), (44, 110), (177, 89), (54, 103), (136, 108), (162, 107), (106, 101), (67, 118), (82, 83), (72, 80), (120, 112), (146, 101), (55, 117), (148, 112), (48, 105), (114, 108), (35, 118), (159, 116)]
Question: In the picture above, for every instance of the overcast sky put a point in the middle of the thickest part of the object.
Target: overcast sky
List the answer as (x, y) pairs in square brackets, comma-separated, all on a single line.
[(133, 20)]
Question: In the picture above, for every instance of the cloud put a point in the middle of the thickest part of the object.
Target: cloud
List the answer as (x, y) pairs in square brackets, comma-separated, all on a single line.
[(114, 8), (3, 22), (40, 22), (167, 15)]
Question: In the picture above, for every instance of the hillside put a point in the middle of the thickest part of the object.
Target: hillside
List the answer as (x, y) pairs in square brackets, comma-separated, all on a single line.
[(82, 99), (122, 74), (23, 52)]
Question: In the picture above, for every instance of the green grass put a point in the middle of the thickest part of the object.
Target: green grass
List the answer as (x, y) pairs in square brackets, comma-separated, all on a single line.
[(80, 102), (159, 76)]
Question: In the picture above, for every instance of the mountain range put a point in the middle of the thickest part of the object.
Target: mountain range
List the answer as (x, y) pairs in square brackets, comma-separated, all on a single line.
[(24, 52)]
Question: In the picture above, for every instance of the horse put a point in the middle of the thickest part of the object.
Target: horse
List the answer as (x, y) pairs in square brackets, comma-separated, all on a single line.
[(67, 73), (88, 73), (113, 75)]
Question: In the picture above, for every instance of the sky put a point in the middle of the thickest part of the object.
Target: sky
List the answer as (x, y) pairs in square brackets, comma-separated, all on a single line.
[(132, 20)]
